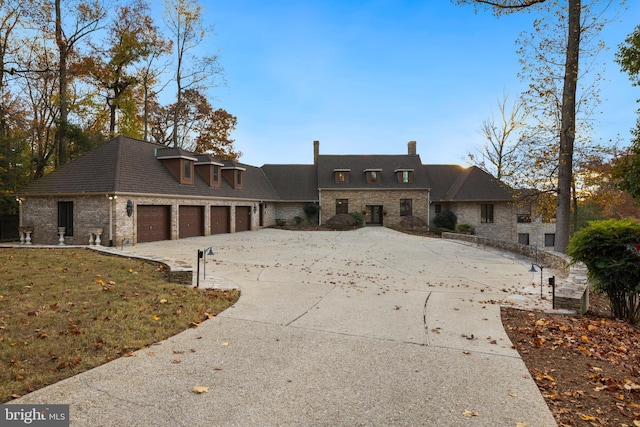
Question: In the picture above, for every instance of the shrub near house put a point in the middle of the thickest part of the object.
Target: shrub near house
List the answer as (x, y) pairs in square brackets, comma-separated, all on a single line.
[(611, 251)]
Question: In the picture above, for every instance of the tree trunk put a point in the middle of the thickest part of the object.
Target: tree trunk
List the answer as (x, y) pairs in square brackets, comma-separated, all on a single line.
[(567, 130), (61, 142)]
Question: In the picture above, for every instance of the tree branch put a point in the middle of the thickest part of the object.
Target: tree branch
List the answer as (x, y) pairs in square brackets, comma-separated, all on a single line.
[(507, 5)]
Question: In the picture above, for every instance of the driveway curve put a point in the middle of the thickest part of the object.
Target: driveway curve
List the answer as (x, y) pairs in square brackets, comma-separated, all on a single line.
[(361, 328)]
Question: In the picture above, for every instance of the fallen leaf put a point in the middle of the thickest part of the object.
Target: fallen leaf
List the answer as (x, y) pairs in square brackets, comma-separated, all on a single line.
[(631, 386), (176, 361), (155, 317), (584, 417), (519, 424), (513, 394), (470, 414), (163, 301), (200, 390), (224, 344)]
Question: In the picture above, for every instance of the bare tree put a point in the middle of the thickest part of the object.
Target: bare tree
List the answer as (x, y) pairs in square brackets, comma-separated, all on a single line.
[(501, 153), (184, 19)]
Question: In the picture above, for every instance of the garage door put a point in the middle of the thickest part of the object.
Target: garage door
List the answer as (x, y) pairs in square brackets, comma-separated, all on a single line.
[(243, 218), (154, 223), (191, 221), (220, 220)]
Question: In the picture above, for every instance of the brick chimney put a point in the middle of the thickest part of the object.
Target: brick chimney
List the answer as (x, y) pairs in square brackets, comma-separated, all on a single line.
[(316, 151), (412, 148)]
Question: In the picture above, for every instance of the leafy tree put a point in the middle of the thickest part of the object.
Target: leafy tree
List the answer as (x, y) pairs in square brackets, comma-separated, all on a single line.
[(39, 91), (83, 18), (561, 103), (205, 130), (628, 171), (130, 40), (610, 250)]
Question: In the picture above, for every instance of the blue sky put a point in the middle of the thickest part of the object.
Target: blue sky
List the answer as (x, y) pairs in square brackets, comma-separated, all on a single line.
[(366, 77)]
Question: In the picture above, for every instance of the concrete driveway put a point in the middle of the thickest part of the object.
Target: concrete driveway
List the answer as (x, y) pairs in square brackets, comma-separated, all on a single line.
[(362, 328)]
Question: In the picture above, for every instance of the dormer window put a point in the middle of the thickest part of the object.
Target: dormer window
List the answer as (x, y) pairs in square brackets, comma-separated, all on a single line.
[(373, 176), (405, 176), (188, 166), (234, 175), (341, 176), (179, 162), (209, 170)]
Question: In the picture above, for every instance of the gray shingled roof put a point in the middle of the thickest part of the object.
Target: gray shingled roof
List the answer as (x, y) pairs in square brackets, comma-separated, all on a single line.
[(294, 183), (388, 164), (456, 183), (126, 165)]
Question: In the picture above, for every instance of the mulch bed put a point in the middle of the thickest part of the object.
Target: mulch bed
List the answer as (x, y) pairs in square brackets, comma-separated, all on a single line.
[(587, 367)]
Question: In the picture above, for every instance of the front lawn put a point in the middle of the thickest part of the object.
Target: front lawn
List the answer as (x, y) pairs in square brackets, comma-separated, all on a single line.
[(64, 311)]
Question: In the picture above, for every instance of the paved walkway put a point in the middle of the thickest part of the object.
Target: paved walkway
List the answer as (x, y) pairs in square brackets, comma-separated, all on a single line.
[(361, 328)]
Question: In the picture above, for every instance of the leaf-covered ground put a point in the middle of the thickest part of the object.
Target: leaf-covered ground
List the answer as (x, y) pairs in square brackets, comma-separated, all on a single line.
[(64, 311), (587, 367)]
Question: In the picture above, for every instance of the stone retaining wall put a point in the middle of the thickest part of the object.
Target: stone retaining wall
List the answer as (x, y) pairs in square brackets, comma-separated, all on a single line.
[(178, 271), (572, 289)]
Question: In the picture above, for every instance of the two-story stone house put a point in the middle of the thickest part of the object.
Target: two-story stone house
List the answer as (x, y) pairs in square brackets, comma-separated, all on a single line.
[(128, 190)]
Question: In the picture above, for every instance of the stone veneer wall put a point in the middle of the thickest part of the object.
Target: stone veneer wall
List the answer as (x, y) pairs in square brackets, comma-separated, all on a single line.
[(42, 214), (388, 199), (93, 212), (288, 211), (536, 230), (504, 219)]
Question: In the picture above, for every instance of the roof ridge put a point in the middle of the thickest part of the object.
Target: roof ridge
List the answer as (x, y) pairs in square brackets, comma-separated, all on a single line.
[(116, 174), (458, 183)]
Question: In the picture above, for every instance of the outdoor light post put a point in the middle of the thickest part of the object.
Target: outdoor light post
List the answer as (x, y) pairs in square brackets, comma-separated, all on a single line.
[(200, 255), (533, 270), (206, 251)]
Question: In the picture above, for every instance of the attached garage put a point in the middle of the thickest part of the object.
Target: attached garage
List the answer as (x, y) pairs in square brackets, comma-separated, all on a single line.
[(191, 221), (154, 223), (243, 218), (220, 220)]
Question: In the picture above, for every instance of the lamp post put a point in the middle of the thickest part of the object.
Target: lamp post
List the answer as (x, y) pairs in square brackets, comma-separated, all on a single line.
[(200, 255), (206, 251), (533, 270)]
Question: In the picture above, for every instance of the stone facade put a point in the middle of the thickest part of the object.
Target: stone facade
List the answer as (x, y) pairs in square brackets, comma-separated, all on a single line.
[(288, 211), (41, 213), (502, 227), (358, 200), (536, 231), (90, 212)]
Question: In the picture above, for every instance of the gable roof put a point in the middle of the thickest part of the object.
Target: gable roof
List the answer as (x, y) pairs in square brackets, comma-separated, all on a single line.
[(456, 183), (127, 165)]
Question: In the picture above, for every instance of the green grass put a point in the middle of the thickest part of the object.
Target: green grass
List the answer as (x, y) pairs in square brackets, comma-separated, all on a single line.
[(64, 311)]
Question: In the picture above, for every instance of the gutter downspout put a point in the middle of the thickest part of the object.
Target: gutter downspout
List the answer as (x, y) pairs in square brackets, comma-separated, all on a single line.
[(320, 204), (428, 210), (111, 198)]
